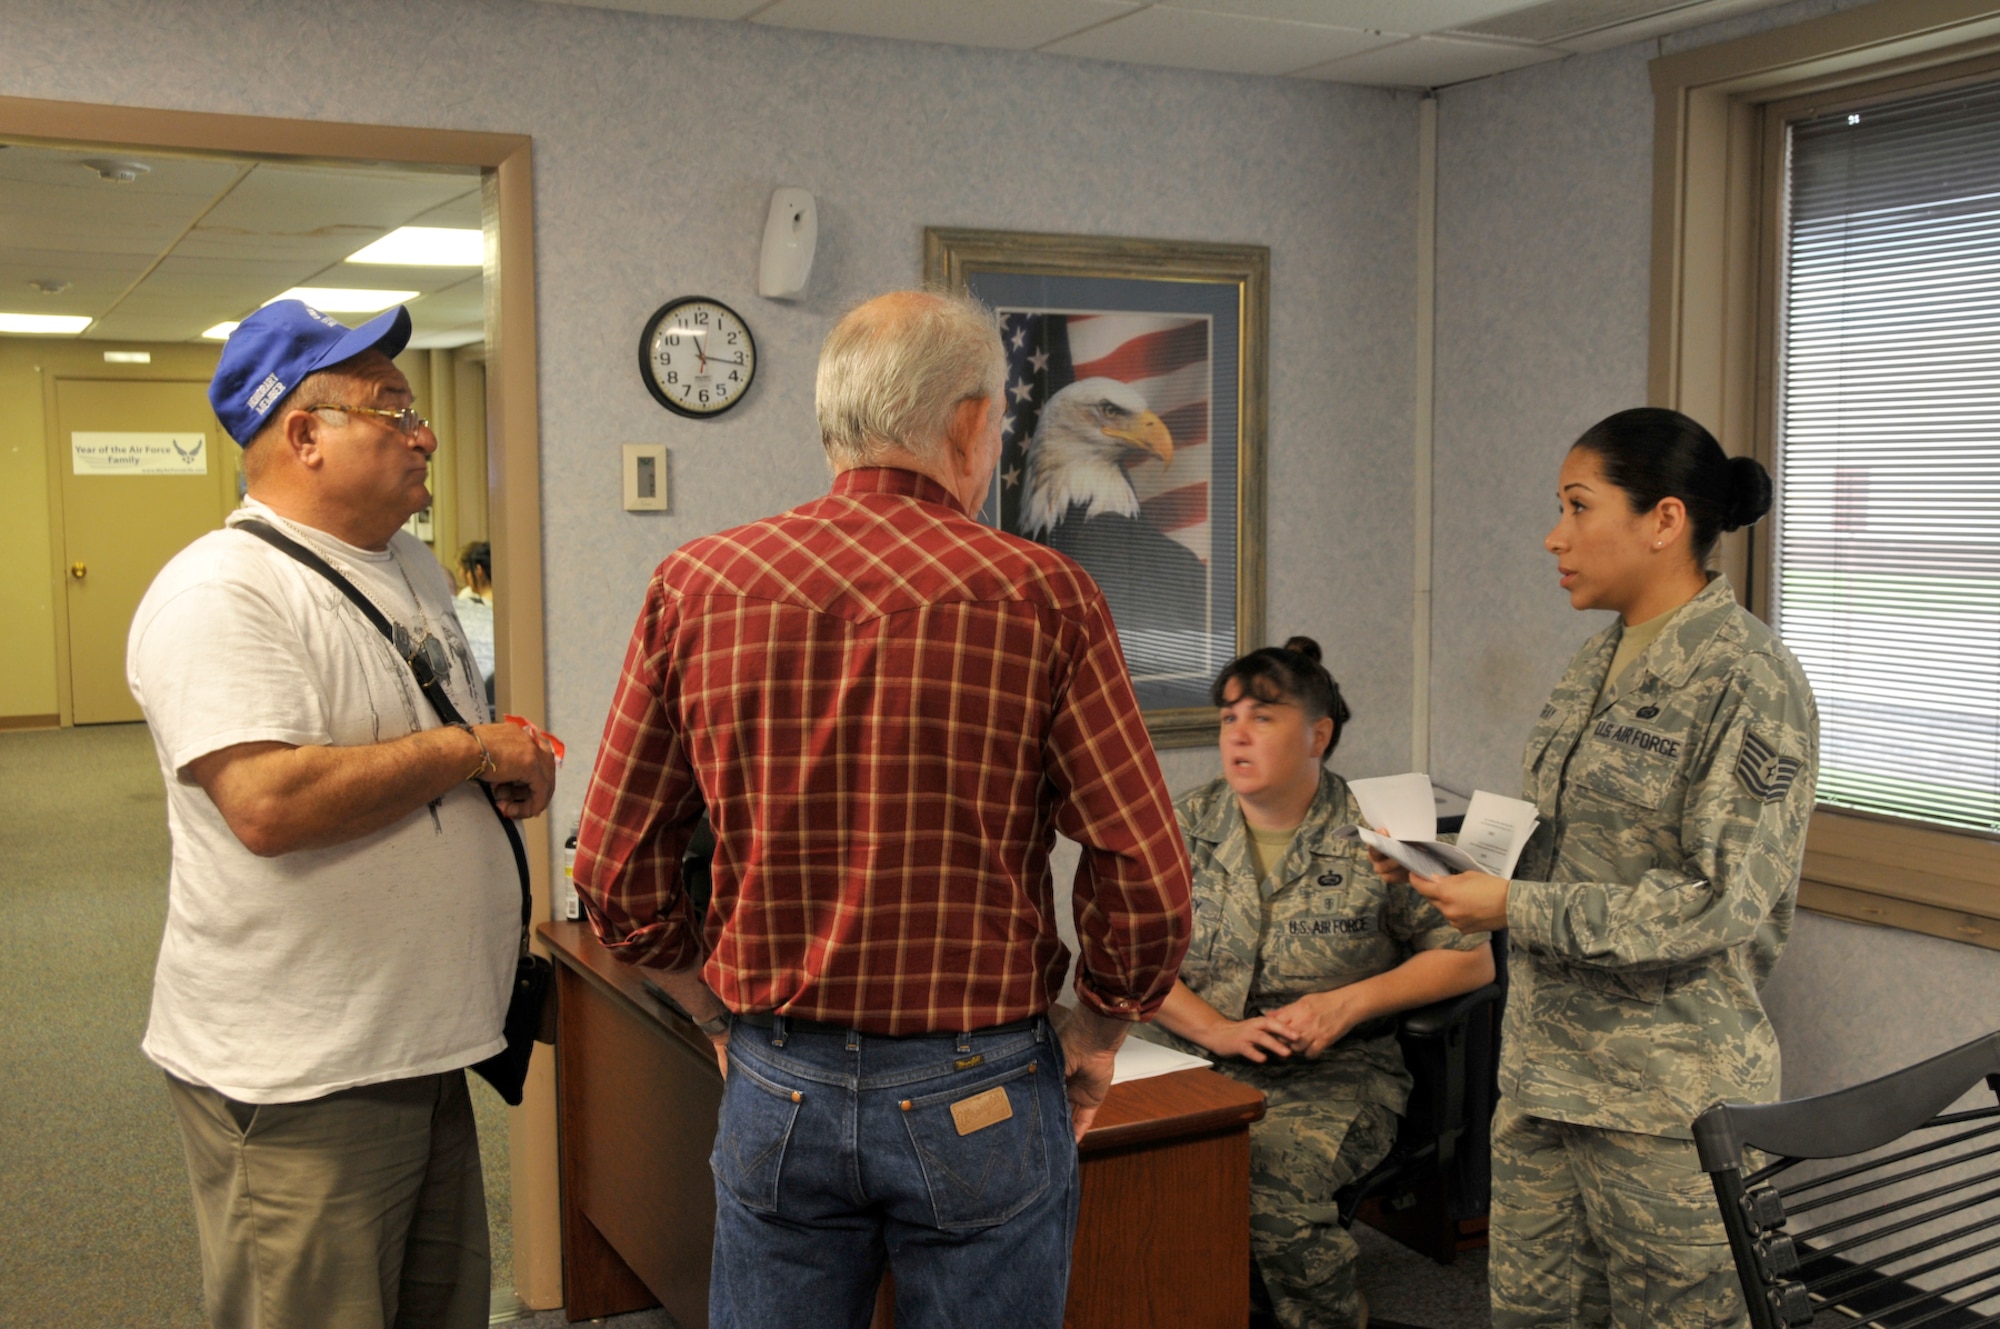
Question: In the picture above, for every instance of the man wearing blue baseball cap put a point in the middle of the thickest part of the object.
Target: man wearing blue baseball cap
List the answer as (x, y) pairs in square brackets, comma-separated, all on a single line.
[(343, 914)]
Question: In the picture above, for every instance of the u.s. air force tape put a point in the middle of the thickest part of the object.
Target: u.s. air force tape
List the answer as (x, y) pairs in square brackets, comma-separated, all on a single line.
[(1763, 772)]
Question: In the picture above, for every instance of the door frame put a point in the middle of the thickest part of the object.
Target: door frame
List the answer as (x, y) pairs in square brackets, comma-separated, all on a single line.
[(505, 164), (57, 452)]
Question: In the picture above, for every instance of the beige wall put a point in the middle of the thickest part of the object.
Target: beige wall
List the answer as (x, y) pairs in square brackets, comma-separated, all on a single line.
[(450, 388), (28, 683), (450, 391)]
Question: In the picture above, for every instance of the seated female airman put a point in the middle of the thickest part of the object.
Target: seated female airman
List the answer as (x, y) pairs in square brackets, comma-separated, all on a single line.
[(1301, 955)]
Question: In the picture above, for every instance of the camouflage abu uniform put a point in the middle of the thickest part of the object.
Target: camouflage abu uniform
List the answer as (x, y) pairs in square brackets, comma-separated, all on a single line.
[(1320, 921), (1646, 912)]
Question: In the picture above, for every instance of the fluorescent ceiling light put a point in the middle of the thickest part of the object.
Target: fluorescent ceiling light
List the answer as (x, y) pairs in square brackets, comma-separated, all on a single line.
[(48, 325), (128, 357), (220, 332), (341, 300), (426, 247)]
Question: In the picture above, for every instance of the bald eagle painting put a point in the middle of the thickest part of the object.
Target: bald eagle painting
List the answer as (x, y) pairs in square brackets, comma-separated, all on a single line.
[(1106, 461)]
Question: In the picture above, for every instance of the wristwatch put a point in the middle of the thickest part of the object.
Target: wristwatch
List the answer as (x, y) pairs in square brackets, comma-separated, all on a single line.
[(712, 1028)]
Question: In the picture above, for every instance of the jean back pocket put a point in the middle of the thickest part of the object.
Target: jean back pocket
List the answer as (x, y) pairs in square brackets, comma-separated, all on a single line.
[(987, 1161), (753, 1129)]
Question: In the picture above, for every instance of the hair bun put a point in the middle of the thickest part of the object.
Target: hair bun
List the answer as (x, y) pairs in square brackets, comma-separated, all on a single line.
[(1305, 646), (1750, 486)]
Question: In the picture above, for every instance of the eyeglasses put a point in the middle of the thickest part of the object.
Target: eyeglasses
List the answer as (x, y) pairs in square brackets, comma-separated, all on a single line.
[(405, 421)]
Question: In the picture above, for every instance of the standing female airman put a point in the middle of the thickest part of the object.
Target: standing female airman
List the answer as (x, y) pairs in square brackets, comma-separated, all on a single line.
[(1673, 768)]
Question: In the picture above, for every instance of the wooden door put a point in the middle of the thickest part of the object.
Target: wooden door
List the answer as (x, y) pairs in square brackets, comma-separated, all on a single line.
[(145, 469)]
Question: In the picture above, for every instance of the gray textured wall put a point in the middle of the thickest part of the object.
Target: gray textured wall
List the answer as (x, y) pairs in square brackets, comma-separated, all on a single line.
[(1544, 245), (657, 143)]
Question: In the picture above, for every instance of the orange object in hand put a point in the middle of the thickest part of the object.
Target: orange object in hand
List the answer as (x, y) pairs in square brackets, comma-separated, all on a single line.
[(555, 744)]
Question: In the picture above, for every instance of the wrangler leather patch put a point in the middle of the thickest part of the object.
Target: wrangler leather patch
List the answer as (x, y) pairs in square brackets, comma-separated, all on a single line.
[(1763, 772), (982, 1110)]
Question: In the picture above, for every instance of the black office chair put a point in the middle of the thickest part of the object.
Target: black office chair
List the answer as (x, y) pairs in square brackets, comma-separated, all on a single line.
[(1883, 1234), (1452, 1048)]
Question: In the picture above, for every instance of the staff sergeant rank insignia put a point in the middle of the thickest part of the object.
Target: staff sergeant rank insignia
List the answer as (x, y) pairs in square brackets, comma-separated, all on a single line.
[(1763, 772)]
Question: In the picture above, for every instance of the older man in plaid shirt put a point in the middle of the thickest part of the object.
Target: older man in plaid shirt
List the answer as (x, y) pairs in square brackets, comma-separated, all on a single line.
[(888, 709)]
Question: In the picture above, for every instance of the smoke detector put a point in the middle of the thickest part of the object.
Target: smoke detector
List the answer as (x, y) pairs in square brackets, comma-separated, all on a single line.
[(118, 170), (49, 285)]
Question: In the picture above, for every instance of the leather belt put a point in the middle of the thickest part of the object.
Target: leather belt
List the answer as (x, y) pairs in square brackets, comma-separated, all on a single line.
[(795, 1025)]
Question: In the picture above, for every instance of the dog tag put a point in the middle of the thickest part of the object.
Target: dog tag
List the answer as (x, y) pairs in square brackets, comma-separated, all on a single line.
[(982, 1110)]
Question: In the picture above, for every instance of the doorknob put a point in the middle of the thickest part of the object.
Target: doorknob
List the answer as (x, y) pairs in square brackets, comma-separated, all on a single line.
[(77, 570)]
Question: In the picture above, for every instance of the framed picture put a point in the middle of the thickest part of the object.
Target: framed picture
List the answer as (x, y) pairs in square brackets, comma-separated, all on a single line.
[(1134, 438)]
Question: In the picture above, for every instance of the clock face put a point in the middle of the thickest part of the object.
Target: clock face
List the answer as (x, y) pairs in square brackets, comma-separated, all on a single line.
[(697, 356)]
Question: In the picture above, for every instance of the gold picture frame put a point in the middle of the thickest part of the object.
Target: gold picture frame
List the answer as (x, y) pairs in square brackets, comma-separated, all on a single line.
[(1128, 359)]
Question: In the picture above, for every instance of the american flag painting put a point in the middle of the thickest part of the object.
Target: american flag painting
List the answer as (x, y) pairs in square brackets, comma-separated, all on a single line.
[(1106, 456)]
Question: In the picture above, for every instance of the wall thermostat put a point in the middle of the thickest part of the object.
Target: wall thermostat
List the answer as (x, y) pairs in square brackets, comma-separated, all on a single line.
[(645, 477)]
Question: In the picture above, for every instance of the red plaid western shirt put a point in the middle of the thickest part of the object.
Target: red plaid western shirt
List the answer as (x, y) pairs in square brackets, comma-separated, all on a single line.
[(888, 710)]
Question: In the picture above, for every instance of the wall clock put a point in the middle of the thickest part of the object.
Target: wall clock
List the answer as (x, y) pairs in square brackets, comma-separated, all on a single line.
[(697, 356)]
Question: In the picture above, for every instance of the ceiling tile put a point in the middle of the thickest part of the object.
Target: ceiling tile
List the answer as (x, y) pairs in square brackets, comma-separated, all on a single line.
[(673, 8), (444, 339), (1429, 62), (1190, 39), (1017, 25), (182, 177), (280, 226), (50, 200), (1404, 16), (465, 303), (94, 279), (311, 213), (464, 211), (1675, 17), (398, 276), (153, 328)]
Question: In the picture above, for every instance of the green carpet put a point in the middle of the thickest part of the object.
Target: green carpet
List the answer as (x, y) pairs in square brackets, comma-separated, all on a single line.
[(98, 1228)]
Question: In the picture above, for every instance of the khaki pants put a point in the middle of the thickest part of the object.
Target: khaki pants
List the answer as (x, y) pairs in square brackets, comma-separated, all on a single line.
[(364, 1209), (1594, 1227)]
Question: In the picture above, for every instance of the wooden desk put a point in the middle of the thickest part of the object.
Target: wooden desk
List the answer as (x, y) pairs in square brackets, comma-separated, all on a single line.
[(1163, 1235)]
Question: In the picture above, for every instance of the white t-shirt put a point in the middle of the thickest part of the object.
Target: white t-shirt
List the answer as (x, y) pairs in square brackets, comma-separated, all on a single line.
[(392, 955), (475, 615)]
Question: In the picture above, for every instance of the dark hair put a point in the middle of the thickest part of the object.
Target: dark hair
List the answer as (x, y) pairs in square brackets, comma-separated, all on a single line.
[(1652, 453), (1288, 673), (478, 554)]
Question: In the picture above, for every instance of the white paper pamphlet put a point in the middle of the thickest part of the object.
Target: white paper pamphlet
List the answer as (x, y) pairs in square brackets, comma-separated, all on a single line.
[(1141, 1060), (1495, 832)]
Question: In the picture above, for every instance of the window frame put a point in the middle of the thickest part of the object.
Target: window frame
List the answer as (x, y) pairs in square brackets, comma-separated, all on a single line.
[(1718, 204)]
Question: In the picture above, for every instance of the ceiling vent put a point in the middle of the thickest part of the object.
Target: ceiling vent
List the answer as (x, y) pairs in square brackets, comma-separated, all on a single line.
[(117, 170)]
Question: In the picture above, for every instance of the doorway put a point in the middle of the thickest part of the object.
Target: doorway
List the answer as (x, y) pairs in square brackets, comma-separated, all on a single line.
[(144, 478), (498, 168)]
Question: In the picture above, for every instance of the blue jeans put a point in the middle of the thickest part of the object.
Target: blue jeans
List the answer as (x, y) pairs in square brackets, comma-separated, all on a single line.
[(837, 1152)]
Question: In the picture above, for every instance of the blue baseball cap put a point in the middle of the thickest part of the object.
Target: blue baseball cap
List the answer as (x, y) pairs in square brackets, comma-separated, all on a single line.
[(272, 351)]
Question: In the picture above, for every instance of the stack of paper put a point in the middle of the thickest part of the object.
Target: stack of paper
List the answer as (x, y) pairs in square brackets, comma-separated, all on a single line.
[(1496, 828)]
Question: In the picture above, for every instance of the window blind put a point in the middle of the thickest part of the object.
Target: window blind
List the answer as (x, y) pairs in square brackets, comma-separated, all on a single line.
[(1887, 567)]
